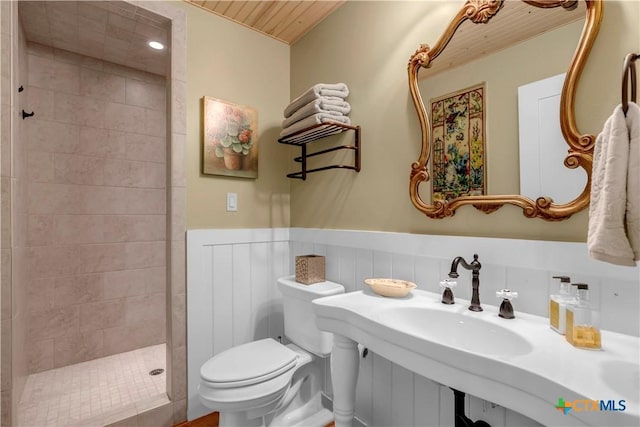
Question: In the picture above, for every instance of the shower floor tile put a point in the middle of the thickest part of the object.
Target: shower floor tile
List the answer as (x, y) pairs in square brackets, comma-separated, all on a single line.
[(95, 393)]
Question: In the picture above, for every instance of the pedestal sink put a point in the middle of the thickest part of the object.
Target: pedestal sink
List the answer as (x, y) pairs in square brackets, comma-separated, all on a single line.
[(519, 363), (463, 331), (623, 377)]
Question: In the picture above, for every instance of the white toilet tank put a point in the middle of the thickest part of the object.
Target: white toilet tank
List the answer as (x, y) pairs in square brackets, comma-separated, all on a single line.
[(299, 319)]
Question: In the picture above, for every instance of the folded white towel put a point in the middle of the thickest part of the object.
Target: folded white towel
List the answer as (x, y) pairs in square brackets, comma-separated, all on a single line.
[(333, 105), (313, 120), (632, 215), (607, 239), (339, 90)]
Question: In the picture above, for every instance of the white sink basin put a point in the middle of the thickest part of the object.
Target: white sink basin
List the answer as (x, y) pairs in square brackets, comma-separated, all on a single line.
[(623, 378), (456, 330), (521, 363)]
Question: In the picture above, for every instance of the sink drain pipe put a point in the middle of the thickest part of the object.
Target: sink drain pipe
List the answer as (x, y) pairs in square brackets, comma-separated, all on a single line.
[(461, 420)]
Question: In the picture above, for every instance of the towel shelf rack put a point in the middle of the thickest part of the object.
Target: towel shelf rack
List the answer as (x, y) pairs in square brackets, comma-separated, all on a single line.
[(314, 133)]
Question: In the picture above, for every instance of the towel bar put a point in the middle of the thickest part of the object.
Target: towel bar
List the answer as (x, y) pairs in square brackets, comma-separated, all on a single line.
[(314, 133), (629, 75)]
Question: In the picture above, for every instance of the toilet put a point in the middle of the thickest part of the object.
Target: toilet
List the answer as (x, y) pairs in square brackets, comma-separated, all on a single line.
[(266, 383)]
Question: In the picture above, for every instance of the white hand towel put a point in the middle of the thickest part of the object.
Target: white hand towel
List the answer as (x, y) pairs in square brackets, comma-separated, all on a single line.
[(607, 240), (339, 90), (334, 106), (313, 120), (632, 216)]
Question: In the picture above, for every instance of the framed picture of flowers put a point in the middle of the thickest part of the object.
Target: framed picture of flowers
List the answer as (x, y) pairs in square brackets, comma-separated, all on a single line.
[(458, 132), (230, 139)]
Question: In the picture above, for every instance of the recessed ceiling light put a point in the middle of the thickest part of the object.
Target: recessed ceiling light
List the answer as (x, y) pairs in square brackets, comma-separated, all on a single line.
[(156, 45)]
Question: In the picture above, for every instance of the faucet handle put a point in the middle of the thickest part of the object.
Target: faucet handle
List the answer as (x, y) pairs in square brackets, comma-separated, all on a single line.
[(448, 283), (506, 294), (447, 293), (506, 309)]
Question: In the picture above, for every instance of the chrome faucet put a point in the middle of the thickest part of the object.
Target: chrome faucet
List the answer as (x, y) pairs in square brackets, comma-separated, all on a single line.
[(475, 281)]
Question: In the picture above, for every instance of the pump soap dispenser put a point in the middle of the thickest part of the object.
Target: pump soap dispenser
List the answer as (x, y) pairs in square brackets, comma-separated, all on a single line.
[(582, 328), (558, 304)]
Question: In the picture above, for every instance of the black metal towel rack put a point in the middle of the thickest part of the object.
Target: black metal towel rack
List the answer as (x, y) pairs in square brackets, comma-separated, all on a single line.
[(629, 76), (318, 131)]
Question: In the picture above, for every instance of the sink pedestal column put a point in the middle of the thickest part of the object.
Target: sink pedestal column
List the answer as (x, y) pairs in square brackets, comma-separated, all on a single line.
[(345, 362)]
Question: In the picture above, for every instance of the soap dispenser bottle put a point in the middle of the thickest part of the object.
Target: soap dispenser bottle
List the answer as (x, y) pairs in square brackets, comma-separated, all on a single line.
[(558, 304), (582, 328)]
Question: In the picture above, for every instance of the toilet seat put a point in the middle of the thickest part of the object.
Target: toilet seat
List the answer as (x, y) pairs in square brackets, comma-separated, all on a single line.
[(248, 364), (253, 376)]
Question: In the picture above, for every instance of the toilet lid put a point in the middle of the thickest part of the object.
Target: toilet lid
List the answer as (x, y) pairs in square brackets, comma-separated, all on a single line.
[(249, 363)]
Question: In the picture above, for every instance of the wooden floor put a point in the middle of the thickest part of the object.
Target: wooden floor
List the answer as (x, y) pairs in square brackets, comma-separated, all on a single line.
[(211, 420)]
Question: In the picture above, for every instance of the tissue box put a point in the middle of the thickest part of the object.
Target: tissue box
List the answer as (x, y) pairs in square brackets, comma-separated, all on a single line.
[(309, 269)]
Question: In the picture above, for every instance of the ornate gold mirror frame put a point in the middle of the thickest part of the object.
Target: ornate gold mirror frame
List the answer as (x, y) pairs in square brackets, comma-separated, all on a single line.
[(580, 147)]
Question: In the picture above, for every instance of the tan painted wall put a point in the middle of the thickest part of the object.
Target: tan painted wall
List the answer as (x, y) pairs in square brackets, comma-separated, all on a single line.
[(230, 62), (367, 45)]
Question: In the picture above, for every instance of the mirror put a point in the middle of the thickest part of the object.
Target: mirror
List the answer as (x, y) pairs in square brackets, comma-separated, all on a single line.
[(480, 32)]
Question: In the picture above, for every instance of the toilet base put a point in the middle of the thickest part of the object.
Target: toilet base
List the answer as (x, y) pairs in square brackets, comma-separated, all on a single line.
[(320, 419), (239, 419), (300, 405), (309, 414)]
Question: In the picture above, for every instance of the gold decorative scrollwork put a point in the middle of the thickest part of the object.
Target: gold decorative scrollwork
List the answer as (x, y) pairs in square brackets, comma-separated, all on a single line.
[(480, 11), (566, 4), (580, 147)]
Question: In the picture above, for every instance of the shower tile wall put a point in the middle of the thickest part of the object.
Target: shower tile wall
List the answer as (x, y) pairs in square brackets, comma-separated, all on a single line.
[(13, 369), (18, 219), (96, 225)]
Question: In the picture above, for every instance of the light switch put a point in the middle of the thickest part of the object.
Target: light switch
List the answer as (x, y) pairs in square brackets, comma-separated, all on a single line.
[(232, 202)]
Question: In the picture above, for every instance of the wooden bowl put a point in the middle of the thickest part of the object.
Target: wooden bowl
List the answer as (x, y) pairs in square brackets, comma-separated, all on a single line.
[(390, 287)]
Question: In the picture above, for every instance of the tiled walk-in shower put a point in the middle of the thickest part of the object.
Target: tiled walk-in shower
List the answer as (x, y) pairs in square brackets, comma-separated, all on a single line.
[(93, 186), (95, 393)]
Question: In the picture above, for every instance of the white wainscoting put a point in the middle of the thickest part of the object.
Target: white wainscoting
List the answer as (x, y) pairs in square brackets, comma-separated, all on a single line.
[(232, 297), (525, 266), (227, 268)]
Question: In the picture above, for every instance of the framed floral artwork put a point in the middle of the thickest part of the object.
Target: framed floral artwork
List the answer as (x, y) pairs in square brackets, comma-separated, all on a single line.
[(230, 139), (458, 132)]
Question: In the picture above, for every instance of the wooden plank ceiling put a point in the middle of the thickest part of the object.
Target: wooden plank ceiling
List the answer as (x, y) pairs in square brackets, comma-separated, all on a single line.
[(286, 21)]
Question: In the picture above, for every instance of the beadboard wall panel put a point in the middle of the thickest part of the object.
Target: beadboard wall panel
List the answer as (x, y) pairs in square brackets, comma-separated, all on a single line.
[(525, 266), (232, 296)]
